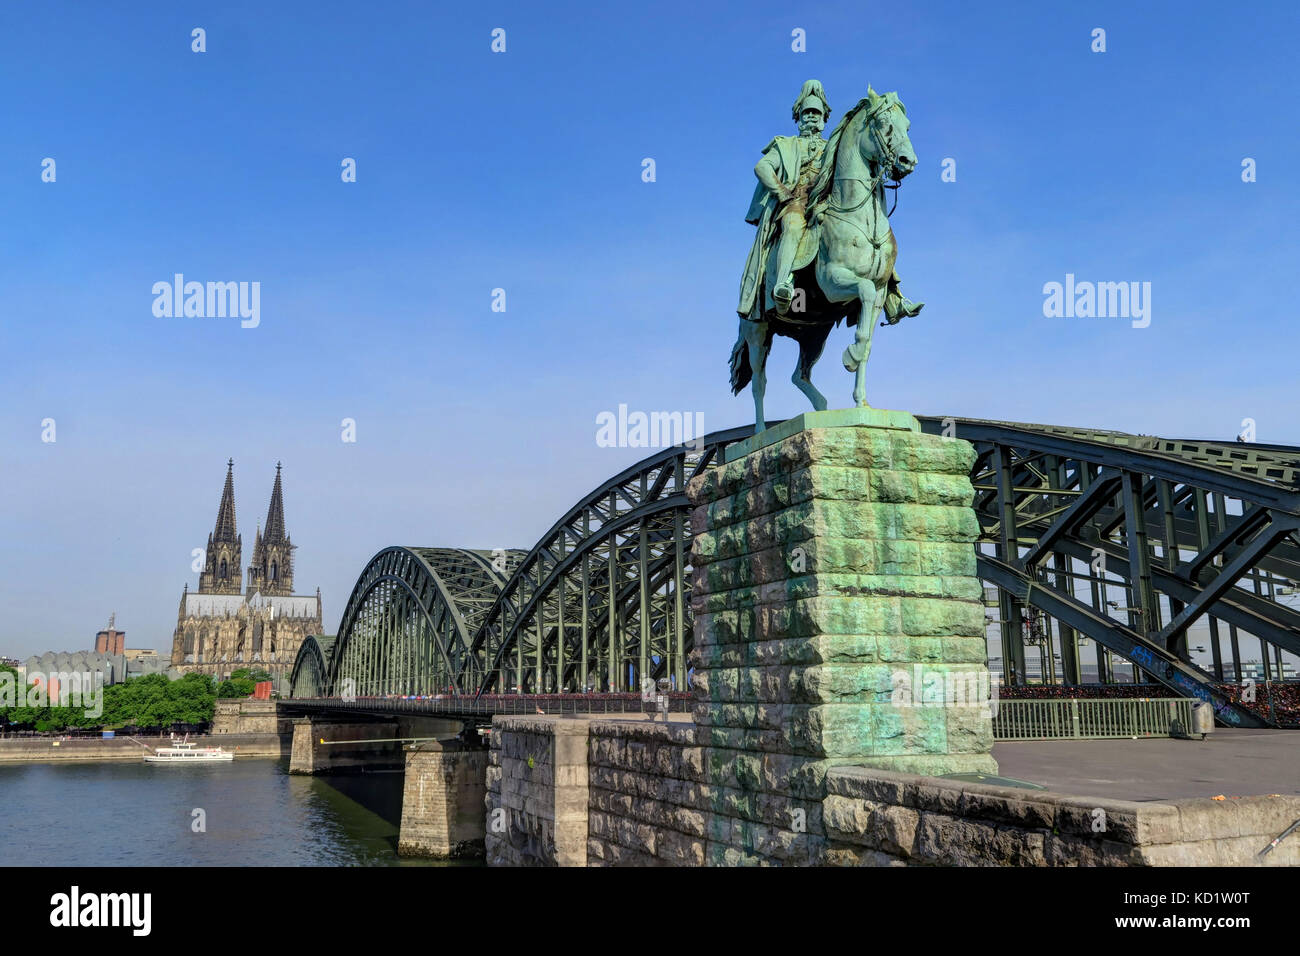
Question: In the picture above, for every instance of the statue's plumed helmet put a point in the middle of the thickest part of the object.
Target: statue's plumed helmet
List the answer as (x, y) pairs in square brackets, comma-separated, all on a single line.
[(812, 103), (812, 96)]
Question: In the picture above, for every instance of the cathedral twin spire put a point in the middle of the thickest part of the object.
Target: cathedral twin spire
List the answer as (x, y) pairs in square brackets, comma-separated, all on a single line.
[(271, 569)]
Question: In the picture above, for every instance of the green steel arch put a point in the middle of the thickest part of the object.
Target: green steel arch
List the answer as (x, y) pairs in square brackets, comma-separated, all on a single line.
[(1181, 531), (1129, 540), (408, 624), (437, 620), (602, 601), (310, 674)]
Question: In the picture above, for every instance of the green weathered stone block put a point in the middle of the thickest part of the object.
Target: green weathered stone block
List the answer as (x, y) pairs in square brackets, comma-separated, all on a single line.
[(965, 650), (901, 649), (832, 615), (891, 486), (941, 617), (910, 730), (839, 683), (833, 730), (937, 523), (932, 454), (970, 730), (953, 490)]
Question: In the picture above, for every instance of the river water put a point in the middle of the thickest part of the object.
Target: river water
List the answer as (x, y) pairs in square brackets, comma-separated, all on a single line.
[(253, 813)]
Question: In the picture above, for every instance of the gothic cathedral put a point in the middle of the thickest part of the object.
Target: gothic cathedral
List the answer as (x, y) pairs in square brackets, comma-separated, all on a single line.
[(220, 629)]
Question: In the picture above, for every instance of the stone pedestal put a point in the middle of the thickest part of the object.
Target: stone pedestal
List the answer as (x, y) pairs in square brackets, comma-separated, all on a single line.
[(442, 801), (838, 621)]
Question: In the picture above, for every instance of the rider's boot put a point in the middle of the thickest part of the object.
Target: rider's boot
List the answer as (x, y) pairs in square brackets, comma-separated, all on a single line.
[(783, 294), (787, 247), (908, 307), (899, 306)]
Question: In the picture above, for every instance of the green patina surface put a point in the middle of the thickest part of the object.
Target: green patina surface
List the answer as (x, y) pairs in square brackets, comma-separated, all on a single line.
[(833, 418), (832, 554)]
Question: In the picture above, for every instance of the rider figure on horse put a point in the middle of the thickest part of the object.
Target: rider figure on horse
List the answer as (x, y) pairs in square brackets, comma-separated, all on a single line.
[(789, 166)]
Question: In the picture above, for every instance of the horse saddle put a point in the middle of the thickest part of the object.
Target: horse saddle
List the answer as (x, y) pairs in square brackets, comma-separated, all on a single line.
[(808, 244), (804, 254)]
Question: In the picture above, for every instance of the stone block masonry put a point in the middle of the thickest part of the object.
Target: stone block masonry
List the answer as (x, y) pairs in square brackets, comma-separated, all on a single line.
[(442, 800), (649, 802), (881, 818), (247, 716), (327, 746), (537, 792), (831, 556)]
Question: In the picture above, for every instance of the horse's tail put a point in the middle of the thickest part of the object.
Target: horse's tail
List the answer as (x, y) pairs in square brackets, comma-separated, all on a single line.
[(741, 373)]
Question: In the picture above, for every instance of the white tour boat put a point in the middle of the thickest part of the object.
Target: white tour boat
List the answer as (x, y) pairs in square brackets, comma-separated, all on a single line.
[(184, 751)]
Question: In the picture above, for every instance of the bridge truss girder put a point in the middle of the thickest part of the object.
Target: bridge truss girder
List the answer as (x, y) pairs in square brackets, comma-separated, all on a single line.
[(1193, 523), (1187, 531), (552, 630)]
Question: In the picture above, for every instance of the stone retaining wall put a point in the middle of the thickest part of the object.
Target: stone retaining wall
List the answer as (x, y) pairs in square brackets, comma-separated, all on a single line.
[(649, 802), (44, 749), (537, 792), (249, 716), (881, 818)]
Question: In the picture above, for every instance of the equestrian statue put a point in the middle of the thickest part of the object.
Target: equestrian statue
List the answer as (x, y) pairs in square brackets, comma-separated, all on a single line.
[(824, 249)]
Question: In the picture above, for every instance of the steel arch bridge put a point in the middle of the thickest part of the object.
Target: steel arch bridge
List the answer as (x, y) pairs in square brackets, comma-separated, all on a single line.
[(1178, 531)]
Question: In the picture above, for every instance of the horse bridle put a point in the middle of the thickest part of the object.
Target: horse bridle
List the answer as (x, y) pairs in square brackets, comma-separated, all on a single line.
[(888, 158)]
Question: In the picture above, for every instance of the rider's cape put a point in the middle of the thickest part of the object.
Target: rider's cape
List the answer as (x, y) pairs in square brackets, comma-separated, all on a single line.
[(761, 213)]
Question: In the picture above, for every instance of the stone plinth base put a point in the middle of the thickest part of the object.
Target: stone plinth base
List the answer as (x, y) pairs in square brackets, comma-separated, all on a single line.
[(442, 801), (838, 620)]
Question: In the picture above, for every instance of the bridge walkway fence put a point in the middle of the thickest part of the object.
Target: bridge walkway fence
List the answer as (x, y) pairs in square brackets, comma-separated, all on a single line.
[(1066, 719), (1076, 719), (487, 706)]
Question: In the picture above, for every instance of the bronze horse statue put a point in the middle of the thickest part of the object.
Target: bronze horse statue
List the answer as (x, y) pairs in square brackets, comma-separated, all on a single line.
[(849, 277)]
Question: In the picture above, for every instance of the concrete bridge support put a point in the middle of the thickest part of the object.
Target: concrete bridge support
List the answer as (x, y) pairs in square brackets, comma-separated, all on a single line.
[(442, 800)]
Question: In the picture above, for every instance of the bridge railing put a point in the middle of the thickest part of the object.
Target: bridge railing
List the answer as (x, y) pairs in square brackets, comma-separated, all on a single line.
[(1074, 718), (1080, 719), (487, 705)]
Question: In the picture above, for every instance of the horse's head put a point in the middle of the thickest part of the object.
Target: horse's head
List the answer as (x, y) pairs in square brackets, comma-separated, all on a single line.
[(884, 141)]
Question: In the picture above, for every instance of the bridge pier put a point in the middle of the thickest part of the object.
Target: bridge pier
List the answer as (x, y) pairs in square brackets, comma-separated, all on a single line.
[(332, 746), (442, 800), (838, 621)]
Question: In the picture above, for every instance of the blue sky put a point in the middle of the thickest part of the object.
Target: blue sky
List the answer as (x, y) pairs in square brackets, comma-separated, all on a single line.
[(522, 171)]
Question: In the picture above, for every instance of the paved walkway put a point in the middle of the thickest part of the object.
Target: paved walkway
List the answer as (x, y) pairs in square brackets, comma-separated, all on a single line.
[(1234, 763)]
